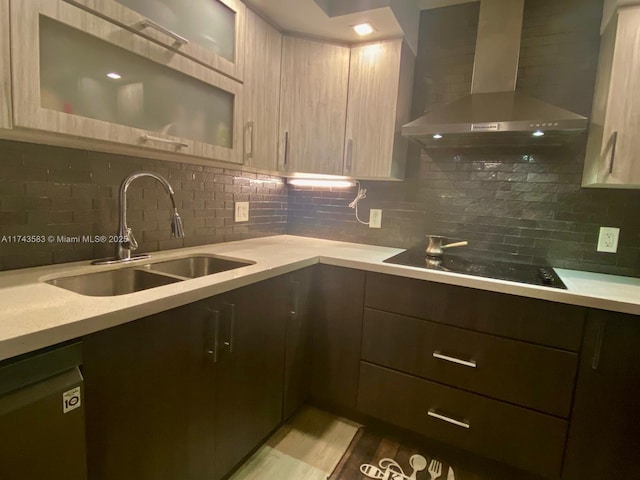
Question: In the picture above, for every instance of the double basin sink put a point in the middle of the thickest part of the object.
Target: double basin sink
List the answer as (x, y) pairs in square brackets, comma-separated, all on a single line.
[(142, 277)]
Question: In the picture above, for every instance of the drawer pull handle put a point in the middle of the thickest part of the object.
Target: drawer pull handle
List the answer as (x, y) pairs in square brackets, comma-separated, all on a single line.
[(179, 39), (447, 358), (151, 138), (444, 418)]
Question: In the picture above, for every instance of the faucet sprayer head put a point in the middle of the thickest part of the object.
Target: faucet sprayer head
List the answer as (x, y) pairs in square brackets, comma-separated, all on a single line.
[(177, 230)]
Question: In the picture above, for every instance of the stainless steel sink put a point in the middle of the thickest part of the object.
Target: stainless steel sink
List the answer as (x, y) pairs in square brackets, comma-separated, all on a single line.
[(199, 266), (113, 282)]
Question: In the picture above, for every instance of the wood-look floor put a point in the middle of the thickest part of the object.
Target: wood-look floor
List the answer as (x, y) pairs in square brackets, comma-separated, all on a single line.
[(308, 447)]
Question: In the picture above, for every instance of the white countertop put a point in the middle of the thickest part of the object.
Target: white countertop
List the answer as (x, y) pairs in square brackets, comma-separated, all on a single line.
[(34, 314)]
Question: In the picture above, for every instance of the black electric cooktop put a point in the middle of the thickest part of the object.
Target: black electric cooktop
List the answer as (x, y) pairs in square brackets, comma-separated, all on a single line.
[(480, 267)]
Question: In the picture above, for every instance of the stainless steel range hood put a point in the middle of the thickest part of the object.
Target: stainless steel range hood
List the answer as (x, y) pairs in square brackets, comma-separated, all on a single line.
[(494, 113)]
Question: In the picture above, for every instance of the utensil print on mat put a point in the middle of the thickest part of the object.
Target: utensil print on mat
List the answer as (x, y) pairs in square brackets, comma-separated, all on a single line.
[(435, 469), (390, 470), (418, 463)]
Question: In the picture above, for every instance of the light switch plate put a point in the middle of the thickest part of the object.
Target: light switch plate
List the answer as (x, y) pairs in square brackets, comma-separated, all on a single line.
[(608, 239), (375, 218), (242, 212)]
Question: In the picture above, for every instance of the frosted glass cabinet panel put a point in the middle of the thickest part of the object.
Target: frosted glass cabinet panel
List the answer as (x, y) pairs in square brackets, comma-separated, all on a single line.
[(208, 31), (91, 78), (5, 77)]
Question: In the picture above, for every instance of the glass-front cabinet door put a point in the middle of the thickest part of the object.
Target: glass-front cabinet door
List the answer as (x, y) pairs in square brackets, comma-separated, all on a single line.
[(208, 31), (77, 74)]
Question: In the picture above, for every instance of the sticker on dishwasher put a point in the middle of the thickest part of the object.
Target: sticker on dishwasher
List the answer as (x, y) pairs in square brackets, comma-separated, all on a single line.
[(71, 400)]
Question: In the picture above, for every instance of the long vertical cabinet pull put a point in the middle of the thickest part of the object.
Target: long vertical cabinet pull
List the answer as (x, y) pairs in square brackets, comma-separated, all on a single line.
[(228, 344), (211, 334), (249, 132), (349, 156), (595, 360), (295, 300), (286, 150), (614, 143)]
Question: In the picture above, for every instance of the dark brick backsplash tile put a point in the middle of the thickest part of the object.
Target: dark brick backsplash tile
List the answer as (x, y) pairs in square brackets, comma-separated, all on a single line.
[(59, 191)]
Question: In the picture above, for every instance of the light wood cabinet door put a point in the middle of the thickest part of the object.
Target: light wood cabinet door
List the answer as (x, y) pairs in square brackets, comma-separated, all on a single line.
[(211, 32), (79, 75), (380, 81), (313, 101), (613, 149), (261, 93), (5, 75)]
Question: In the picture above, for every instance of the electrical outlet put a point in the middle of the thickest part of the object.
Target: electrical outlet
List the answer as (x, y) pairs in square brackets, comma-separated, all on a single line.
[(608, 239), (375, 218), (242, 212)]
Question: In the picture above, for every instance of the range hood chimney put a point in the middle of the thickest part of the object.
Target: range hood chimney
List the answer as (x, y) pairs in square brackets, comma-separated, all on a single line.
[(494, 114)]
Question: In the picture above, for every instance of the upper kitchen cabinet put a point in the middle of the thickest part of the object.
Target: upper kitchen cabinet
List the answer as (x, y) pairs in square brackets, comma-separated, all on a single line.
[(261, 93), (380, 86), (5, 76), (313, 106), (81, 76), (613, 148), (210, 32)]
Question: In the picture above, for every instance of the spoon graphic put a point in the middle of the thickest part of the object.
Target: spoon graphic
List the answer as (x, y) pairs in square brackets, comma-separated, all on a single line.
[(418, 463)]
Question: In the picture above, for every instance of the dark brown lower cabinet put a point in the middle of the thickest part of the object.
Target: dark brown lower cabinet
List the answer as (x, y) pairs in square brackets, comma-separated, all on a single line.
[(337, 332), (516, 436), (249, 372), (297, 367), (187, 393), (139, 393), (604, 438)]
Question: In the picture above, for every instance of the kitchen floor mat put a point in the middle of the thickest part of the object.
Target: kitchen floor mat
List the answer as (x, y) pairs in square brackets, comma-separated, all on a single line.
[(376, 456)]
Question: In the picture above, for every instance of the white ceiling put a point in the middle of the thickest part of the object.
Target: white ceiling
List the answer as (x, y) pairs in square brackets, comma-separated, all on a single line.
[(306, 17), (332, 19)]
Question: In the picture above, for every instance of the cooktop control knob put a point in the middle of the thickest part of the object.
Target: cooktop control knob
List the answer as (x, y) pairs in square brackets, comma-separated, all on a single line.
[(546, 275)]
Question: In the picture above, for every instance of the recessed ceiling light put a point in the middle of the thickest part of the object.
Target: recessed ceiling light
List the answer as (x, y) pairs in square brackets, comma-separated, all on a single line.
[(538, 133), (437, 136), (363, 29), (114, 75)]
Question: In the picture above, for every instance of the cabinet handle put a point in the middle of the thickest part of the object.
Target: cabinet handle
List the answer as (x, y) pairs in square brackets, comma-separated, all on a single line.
[(286, 149), (447, 358), (595, 361), (349, 155), (249, 151), (212, 333), (444, 418), (295, 299), (151, 24), (151, 138), (614, 141), (228, 344)]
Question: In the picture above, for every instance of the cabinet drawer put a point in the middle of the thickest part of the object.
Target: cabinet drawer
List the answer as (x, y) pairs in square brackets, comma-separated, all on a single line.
[(522, 438), (537, 377), (537, 321)]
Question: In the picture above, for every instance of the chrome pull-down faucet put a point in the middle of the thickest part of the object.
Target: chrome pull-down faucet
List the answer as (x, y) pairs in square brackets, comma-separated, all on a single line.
[(126, 241)]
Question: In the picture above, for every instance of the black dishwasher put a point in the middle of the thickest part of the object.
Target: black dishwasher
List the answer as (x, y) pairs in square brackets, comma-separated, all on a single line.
[(42, 416)]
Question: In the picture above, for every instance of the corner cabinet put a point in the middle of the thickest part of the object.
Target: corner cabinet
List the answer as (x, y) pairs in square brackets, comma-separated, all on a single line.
[(261, 93), (380, 88), (210, 32), (341, 109), (79, 75), (5, 76), (313, 106), (613, 148)]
